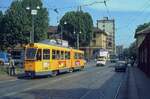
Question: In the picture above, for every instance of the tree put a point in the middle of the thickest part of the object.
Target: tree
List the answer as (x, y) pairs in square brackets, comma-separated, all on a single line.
[(1, 30), (133, 50), (77, 22), (17, 22)]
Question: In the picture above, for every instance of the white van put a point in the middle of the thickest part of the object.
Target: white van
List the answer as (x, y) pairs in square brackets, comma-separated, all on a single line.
[(101, 61)]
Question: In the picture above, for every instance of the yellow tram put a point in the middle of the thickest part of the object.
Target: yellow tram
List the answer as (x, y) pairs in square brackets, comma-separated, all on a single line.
[(44, 59)]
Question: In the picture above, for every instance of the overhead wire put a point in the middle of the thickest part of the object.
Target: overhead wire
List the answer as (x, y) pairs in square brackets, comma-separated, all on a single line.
[(105, 3), (135, 18)]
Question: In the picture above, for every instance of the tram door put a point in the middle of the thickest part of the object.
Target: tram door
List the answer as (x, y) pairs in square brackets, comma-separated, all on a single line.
[(38, 63)]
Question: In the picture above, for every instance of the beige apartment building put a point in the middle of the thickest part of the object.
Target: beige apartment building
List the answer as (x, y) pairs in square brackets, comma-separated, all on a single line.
[(99, 39)]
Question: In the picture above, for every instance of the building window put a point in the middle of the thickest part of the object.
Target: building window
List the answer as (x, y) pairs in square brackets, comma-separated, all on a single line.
[(103, 25), (94, 42), (94, 35)]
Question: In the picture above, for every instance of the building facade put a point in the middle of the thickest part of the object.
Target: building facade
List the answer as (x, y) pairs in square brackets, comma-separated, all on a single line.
[(140, 36), (98, 41), (108, 26), (52, 32)]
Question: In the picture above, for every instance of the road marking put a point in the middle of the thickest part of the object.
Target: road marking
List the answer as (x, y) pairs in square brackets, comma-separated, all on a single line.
[(118, 89), (87, 93)]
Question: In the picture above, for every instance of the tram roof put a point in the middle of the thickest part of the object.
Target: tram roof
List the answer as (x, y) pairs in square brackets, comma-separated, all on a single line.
[(42, 45)]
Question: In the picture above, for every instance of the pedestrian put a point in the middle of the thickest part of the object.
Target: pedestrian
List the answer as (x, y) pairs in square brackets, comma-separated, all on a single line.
[(11, 67)]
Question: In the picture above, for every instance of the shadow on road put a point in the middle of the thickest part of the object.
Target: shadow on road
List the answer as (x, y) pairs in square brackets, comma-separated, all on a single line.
[(23, 76)]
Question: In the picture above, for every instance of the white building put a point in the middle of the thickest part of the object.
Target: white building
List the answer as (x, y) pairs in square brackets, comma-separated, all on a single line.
[(108, 26)]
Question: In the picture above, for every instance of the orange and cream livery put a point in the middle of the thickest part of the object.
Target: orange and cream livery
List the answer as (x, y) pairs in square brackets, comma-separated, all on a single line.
[(44, 59)]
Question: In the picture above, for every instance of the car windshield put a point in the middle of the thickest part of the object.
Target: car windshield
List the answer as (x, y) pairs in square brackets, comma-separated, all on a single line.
[(30, 53), (101, 58)]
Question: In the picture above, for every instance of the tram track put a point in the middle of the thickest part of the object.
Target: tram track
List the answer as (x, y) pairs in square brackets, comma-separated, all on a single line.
[(123, 80), (50, 80)]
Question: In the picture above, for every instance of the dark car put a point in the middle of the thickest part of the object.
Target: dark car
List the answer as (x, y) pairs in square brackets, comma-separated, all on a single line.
[(120, 66)]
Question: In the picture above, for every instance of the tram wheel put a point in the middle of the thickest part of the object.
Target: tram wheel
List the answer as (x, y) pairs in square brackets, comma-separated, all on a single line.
[(71, 70), (54, 73), (82, 67)]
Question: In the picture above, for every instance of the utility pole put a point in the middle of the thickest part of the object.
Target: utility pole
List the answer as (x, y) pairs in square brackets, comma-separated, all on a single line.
[(33, 12)]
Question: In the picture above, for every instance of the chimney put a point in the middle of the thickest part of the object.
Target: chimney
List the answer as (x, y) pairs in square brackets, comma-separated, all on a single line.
[(105, 18)]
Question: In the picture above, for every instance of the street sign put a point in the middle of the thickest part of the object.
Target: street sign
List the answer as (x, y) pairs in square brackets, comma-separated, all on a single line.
[(33, 12)]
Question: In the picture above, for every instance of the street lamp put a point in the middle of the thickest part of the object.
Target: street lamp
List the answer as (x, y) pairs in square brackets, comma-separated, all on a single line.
[(33, 13), (77, 35), (78, 43)]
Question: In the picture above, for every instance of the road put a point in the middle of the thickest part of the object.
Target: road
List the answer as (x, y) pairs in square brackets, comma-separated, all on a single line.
[(91, 83)]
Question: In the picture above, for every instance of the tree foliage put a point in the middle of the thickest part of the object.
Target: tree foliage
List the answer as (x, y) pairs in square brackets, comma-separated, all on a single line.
[(131, 52), (1, 30), (76, 22), (17, 22)]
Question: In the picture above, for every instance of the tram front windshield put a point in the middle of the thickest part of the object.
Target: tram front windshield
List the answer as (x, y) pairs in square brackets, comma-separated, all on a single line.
[(31, 53)]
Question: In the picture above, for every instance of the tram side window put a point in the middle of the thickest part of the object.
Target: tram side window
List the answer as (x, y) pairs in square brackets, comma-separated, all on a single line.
[(67, 55), (57, 54), (81, 56), (53, 54), (39, 54), (76, 56), (46, 54), (62, 55)]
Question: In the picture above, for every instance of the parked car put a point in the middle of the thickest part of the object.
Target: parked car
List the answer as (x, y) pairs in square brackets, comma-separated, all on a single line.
[(4, 58), (120, 66)]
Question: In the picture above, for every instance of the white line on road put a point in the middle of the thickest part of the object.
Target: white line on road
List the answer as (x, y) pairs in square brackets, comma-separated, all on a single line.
[(118, 89), (103, 81)]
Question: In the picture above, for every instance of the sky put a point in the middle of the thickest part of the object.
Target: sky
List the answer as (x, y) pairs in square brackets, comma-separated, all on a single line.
[(128, 14)]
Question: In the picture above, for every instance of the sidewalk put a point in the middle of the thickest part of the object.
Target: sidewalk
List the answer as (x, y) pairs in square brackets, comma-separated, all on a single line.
[(4, 76), (138, 84), (7, 77)]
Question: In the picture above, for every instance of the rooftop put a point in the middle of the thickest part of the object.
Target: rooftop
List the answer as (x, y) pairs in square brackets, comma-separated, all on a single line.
[(52, 29), (144, 31), (97, 30)]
